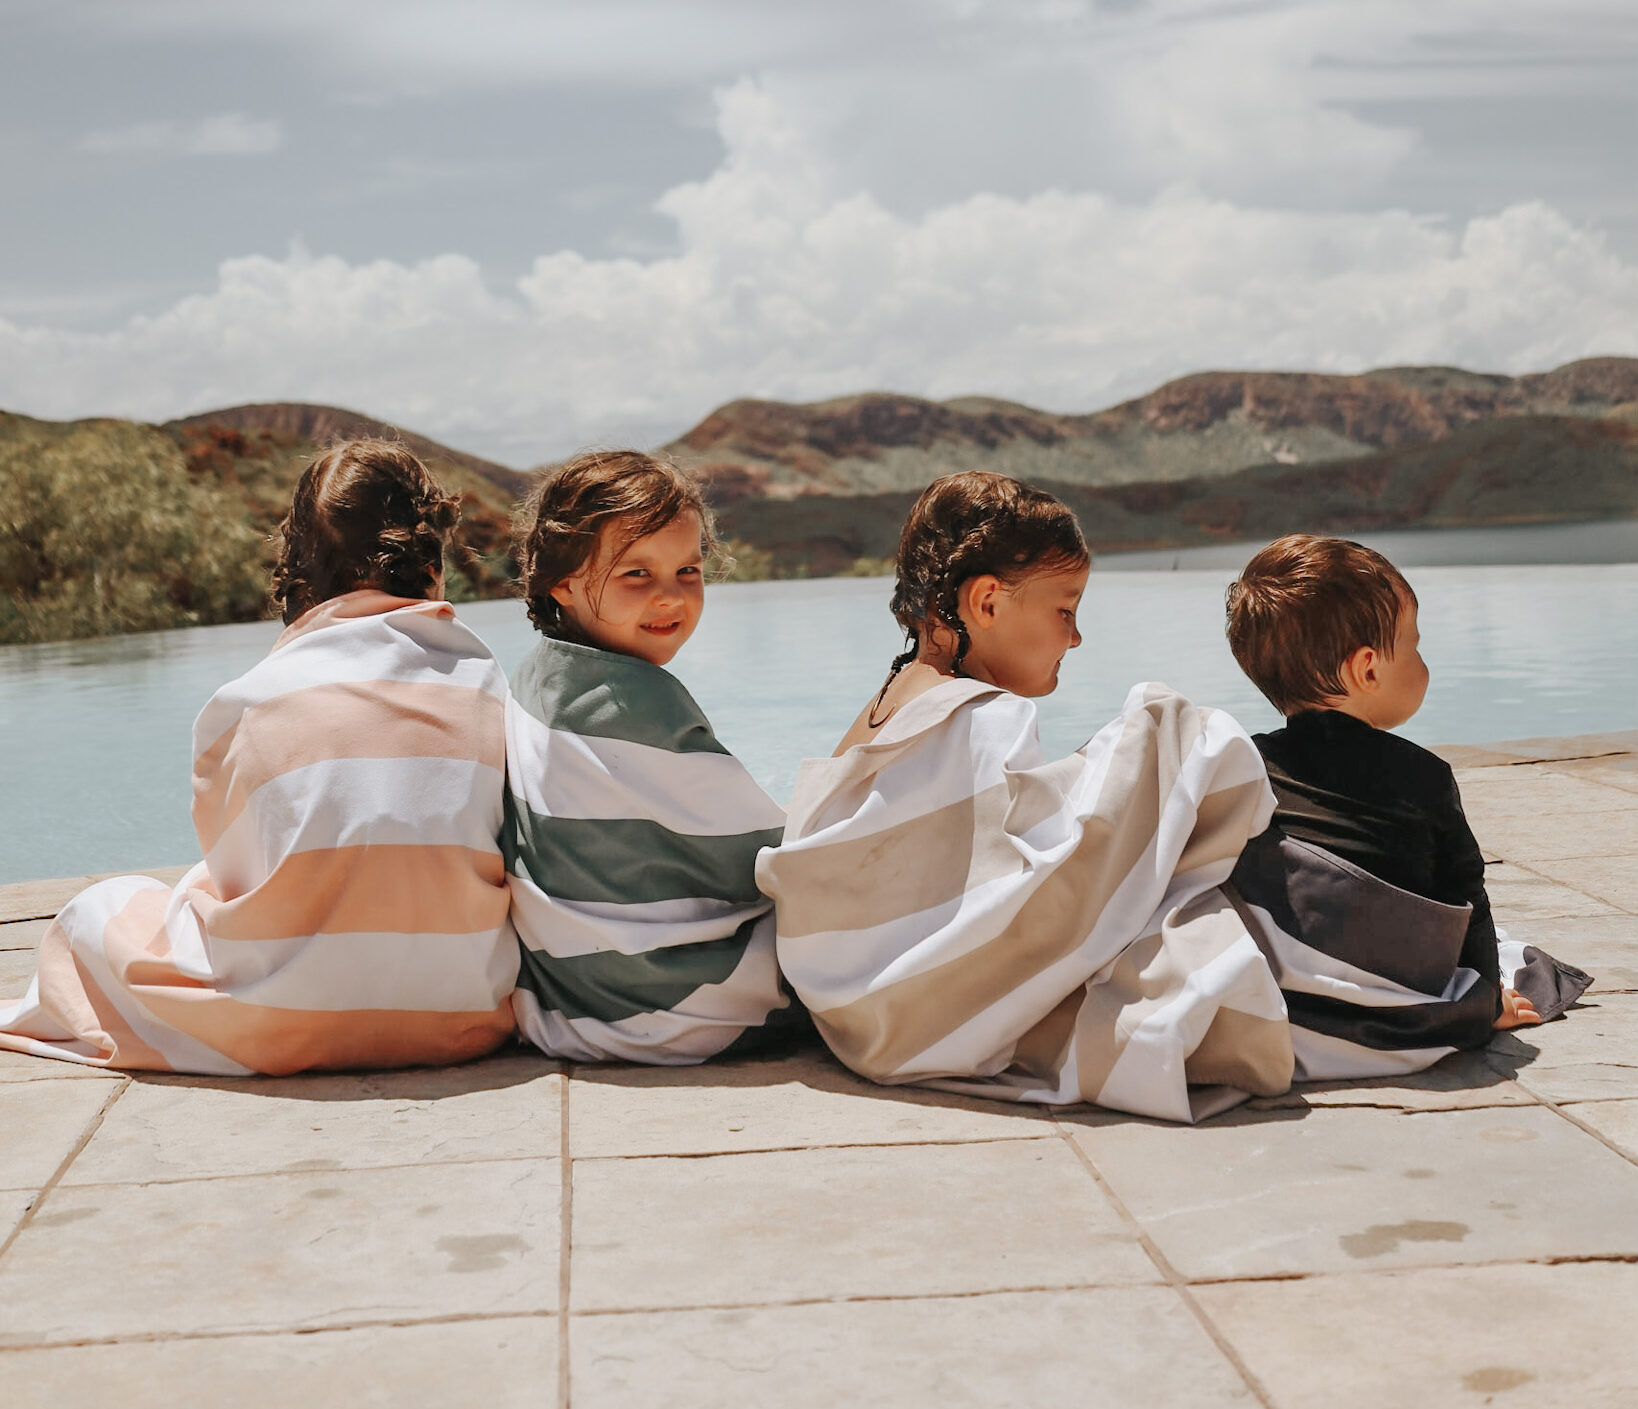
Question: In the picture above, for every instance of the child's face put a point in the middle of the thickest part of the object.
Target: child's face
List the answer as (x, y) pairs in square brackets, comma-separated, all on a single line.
[(1019, 635), (1402, 681), (644, 601)]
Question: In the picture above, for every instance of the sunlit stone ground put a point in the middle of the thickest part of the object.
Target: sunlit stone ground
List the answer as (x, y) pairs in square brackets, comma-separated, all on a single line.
[(777, 1233)]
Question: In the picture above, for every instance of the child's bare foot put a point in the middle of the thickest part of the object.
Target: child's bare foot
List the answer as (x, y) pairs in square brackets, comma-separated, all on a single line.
[(1517, 1010)]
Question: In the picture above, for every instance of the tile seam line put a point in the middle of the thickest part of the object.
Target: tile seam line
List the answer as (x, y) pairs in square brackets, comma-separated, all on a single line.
[(1399, 1106), (1549, 762), (1558, 1109), (1174, 1279), (453, 1318), (866, 1298), (1410, 1269), (870, 1298), (297, 1173), (803, 1149), (466, 1317), (1453, 1110), (1570, 885), (1570, 1066), (90, 1128), (565, 1239), (563, 1154)]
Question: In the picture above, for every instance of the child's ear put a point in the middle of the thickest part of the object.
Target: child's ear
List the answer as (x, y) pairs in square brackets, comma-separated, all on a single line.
[(563, 595), (1359, 671), (979, 596)]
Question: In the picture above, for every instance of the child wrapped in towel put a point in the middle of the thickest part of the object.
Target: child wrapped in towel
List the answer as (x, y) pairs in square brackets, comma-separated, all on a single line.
[(1368, 889), (631, 834), (959, 910), (351, 907)]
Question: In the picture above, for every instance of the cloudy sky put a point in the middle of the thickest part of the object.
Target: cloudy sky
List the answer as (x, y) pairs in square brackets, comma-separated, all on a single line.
[(524, 226)]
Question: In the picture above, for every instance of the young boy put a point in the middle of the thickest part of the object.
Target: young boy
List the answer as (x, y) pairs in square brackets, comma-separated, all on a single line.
[(1327, 630)]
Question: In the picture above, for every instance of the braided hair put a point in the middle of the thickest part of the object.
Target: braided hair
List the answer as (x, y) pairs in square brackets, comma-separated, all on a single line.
[(365, 514), (569, 506), (965, 526)]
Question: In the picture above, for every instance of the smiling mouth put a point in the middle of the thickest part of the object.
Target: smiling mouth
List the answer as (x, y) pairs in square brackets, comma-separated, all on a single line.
[(661, 628)]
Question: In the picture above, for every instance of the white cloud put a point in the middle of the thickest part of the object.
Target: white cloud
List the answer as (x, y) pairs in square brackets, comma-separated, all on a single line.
[(225, 134), (788, 285)]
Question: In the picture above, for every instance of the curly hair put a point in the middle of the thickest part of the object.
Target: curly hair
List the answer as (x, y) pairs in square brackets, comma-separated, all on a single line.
[(964, 526), (1302, 606), (365, 514), (560, 522)]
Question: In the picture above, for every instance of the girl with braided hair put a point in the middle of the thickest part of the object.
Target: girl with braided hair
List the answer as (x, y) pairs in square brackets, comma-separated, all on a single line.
[(351, 907), (958, 910), (990, 573), (631, 833)]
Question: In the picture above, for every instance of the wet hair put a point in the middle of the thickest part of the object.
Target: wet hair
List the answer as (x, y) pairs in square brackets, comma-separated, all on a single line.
[(365, 514), (569, 507), (964, 526), (1302, 606)]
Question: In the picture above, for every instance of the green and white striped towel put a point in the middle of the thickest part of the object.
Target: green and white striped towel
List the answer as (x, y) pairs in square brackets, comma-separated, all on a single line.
[(631, 840)]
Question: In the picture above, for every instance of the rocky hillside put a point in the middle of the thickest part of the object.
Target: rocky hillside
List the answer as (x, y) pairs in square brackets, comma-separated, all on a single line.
[(301, 423), (1515, 470), (1203, 426)]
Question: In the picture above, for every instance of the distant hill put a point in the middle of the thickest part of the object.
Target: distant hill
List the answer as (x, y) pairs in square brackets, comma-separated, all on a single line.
[(1207, 425), (1215, 457), (121, 526), (1520, 470), (301, 423)]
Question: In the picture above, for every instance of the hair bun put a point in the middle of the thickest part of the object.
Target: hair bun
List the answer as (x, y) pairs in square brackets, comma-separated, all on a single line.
[(366, 513)]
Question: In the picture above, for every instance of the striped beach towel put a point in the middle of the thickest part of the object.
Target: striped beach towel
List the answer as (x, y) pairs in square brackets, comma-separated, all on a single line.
[(1371, 973), (351, 907), (631, 839), (957, 910)]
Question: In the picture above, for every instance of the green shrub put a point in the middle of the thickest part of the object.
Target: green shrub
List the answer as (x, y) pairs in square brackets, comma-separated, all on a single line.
[(871, 567), (744, 562), (102, 531)]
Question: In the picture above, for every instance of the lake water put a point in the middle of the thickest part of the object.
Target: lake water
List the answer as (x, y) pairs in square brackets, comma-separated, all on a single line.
[(95, 754)]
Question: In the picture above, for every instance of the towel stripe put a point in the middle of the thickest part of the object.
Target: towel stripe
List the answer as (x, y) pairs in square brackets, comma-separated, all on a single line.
[(631, 860), (601, 694), (609, 985)]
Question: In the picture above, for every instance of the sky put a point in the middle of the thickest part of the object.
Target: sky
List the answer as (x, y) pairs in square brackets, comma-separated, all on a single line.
[(529, 226)]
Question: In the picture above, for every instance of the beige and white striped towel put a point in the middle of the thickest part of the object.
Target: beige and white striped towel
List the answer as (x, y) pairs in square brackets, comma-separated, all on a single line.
[(959, 911)]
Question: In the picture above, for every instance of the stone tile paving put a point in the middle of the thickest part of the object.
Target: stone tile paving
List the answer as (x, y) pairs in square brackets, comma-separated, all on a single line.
[(514, 1232), (1518, 1333), (1602, 945), (16, 968)]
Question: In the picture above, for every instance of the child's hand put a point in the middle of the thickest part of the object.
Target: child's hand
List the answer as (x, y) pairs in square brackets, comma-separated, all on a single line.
[(1517, 1010)]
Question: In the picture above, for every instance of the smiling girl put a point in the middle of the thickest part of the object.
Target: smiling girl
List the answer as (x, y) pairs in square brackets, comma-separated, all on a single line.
[(958, 910), (631, 833)]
